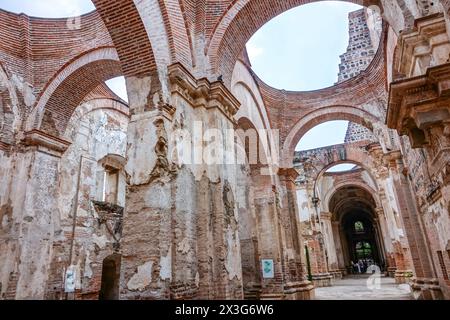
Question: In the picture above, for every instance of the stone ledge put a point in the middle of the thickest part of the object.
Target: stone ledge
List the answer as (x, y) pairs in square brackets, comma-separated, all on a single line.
[(41, 139), (202, 92)]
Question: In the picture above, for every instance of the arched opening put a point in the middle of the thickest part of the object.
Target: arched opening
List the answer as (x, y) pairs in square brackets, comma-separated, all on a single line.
[(119, 87), (315, 45), (345, 167), (249, 181), (110, 278), (93, 68), (353, 210), (331, 128)]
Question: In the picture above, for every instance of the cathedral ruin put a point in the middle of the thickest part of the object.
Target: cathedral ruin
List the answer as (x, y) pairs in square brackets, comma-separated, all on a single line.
[(193, 188)]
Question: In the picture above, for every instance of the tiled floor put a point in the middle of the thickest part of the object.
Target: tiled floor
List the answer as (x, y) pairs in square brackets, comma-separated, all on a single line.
[(364, 288)]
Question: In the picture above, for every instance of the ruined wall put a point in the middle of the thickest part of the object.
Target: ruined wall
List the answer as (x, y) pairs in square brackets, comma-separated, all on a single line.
[(432, 197), (97, 129), (355, 132), (7, 242)]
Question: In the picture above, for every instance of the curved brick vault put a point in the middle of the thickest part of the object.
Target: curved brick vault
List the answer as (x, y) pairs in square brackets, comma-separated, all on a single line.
[(128, 34), (241, 20), (351, 183), (171, 53), (78, 78)]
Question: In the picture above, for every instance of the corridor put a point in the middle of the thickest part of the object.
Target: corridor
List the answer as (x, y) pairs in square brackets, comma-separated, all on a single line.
[(364, 288)]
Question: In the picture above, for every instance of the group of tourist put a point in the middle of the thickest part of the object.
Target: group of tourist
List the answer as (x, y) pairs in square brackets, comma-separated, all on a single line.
[(363, 266)]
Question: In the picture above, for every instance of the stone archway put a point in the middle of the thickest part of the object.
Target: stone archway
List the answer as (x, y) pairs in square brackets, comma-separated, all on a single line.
[(353, 208), (317, 117), (76, 80), (235, 27)]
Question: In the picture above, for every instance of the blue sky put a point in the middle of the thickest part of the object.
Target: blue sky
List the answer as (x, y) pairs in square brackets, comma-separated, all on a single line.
[(298, 50), (59, 9), (48, 8)]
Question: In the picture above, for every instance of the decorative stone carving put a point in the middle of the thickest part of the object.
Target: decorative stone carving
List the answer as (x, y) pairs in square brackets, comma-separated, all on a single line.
[(425, 46), (162, 167), (420, 108), (202, 92), (229, 203)]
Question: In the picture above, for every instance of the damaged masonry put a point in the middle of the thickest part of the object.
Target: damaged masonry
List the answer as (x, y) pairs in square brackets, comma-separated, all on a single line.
[(193, 189)]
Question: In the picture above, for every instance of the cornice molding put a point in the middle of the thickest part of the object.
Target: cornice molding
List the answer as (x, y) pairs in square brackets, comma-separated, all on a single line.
[(202, 92), (41, 139)]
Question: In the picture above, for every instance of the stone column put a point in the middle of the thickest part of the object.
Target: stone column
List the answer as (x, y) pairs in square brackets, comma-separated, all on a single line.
[(339, 248), (269, 238), (397, 260), (180, 236), (385, 242), (424, 285), (33, 217), (333, 264), (296, 286)]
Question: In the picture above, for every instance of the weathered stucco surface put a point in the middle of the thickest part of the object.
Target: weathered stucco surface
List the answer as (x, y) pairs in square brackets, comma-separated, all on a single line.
[(183, 191)]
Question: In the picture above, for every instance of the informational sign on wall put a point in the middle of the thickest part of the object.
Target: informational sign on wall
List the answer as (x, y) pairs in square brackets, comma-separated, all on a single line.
[(268, 269), (70, 280)]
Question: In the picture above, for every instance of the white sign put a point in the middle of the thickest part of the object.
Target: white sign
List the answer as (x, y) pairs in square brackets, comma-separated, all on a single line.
[(69, 284), (268, 269)]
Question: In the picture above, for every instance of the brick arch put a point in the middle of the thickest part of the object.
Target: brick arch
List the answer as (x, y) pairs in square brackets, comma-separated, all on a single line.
[(368, 199), (319, 116), (240, 21), (245, 123), (67, 89), (87, 107), (127, 30), (344, 184)]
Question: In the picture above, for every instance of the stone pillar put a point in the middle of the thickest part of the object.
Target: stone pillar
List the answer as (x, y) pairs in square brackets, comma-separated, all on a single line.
[(248, 234), (339, 248), (269, 239), (424, 285), (33, 217), (296, 286), (333, 263), (345, 248), (385, 242), (180, 236)]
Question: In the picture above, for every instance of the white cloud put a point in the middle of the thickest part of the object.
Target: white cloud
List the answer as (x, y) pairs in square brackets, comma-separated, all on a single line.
[(254, 51), (118, 86)]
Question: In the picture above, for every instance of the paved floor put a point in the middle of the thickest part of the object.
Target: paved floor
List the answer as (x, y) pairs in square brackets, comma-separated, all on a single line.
[(364, 288)]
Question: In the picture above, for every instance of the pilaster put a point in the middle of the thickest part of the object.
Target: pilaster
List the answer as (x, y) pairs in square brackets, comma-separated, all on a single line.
[(296, 286)]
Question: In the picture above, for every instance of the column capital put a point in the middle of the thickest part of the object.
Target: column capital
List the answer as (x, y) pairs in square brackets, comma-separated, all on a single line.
[(288, 173), (202, 92)]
